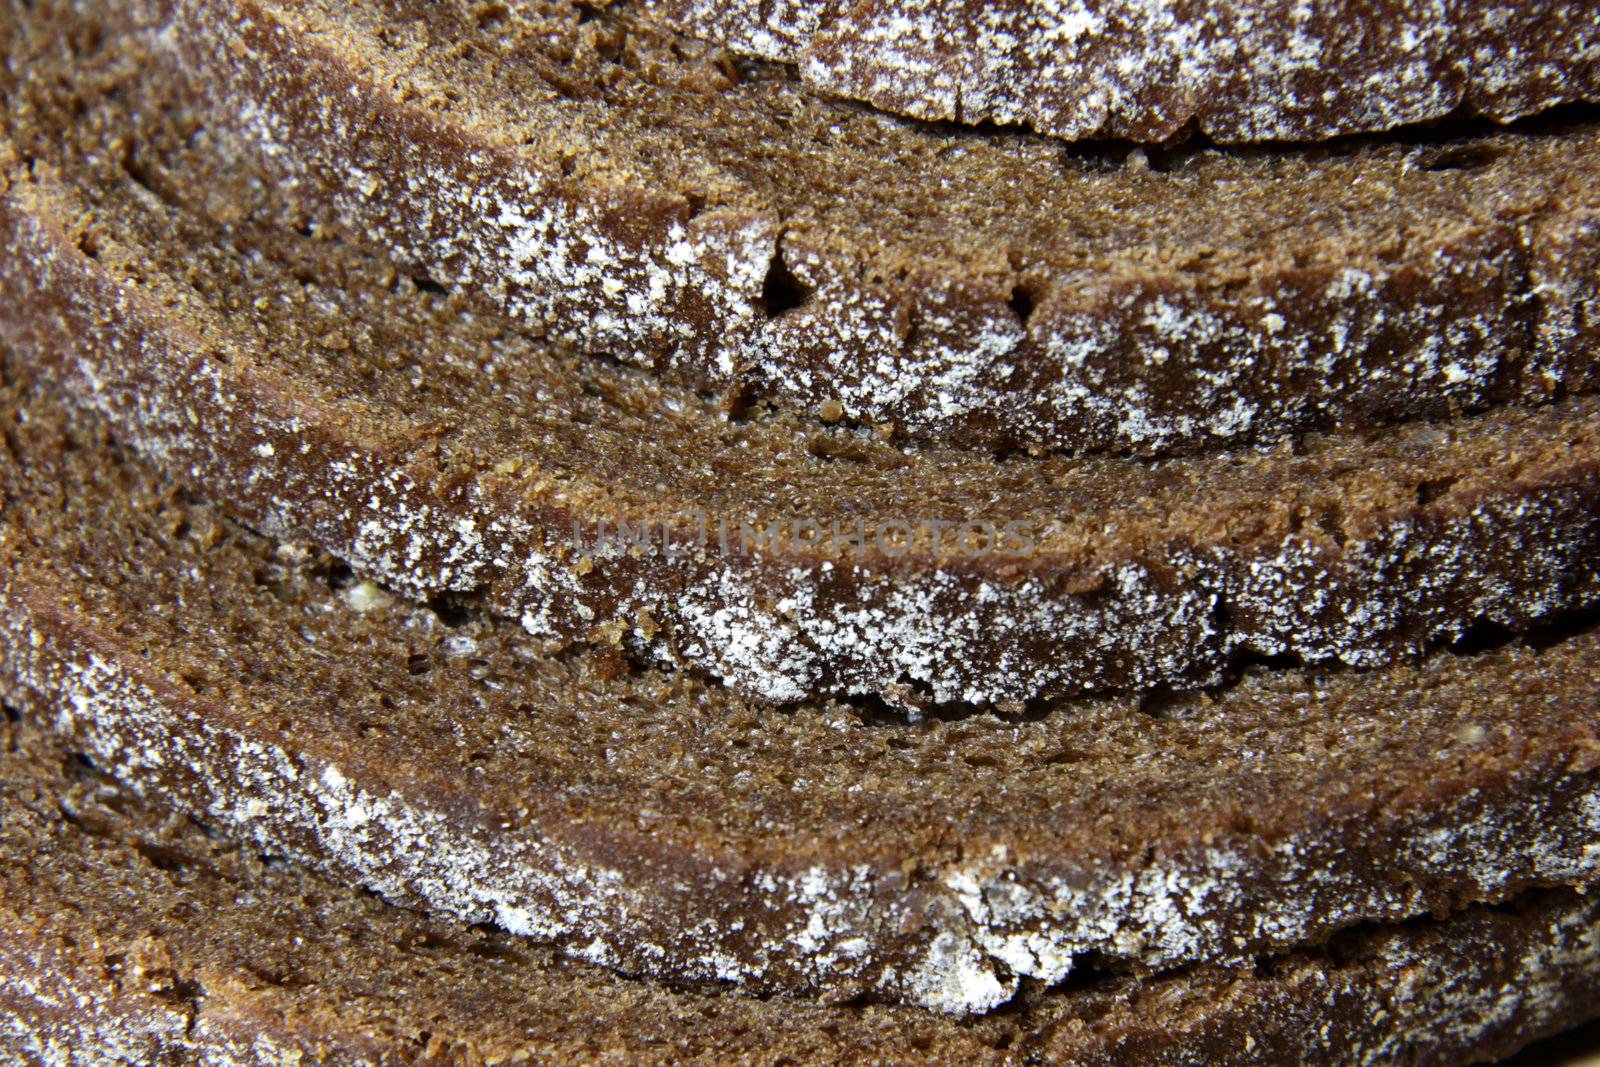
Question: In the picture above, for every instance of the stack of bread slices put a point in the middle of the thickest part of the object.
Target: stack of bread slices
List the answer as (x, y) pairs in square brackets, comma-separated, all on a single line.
[(1026, 531)]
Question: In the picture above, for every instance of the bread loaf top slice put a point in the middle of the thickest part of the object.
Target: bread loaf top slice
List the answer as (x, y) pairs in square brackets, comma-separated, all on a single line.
[(1236, 70), (662, 826), (133, 937), (639, 196), (324, 396)]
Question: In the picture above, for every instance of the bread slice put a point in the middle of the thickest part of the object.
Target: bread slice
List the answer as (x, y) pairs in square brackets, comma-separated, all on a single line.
[(326, 398), (662, 826), (1242, 70), (135, 938), (633, 194)]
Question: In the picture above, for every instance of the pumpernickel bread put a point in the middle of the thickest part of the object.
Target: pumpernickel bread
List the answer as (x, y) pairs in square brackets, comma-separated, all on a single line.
[(639, 196), (662, 826), (133, 937), (327, 398), (1153, 876), (1236, 70)]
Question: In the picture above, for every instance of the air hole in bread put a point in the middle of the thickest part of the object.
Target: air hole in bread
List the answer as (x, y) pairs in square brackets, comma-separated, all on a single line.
[(450, 610), (1461, 157), (781, 291), (1429, 491), (1023, 302)]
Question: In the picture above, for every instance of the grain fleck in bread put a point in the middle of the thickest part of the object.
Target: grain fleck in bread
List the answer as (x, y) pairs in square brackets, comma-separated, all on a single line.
[(1237, 70), (662, 826), (641, 197)]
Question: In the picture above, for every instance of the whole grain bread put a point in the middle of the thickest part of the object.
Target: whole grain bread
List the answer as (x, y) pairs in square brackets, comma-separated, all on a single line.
[(636, 195), (1239, 70), (133, 937), (661, 826), (327, 398)]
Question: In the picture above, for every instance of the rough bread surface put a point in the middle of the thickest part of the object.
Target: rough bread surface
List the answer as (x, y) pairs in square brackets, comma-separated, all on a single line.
[(663, 827), (325, 397), (645, 198), (135, 937), (1236, 70)]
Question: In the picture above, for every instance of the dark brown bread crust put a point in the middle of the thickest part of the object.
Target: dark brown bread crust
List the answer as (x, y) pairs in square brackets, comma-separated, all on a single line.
[(1237, 70), (133, 938), (735, 233), (664, 827), (324, 400)]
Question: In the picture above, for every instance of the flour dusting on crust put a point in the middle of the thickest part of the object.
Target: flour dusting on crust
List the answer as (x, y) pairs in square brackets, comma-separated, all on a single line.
[(1124, 352), (986, 922), (1239, 70)]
